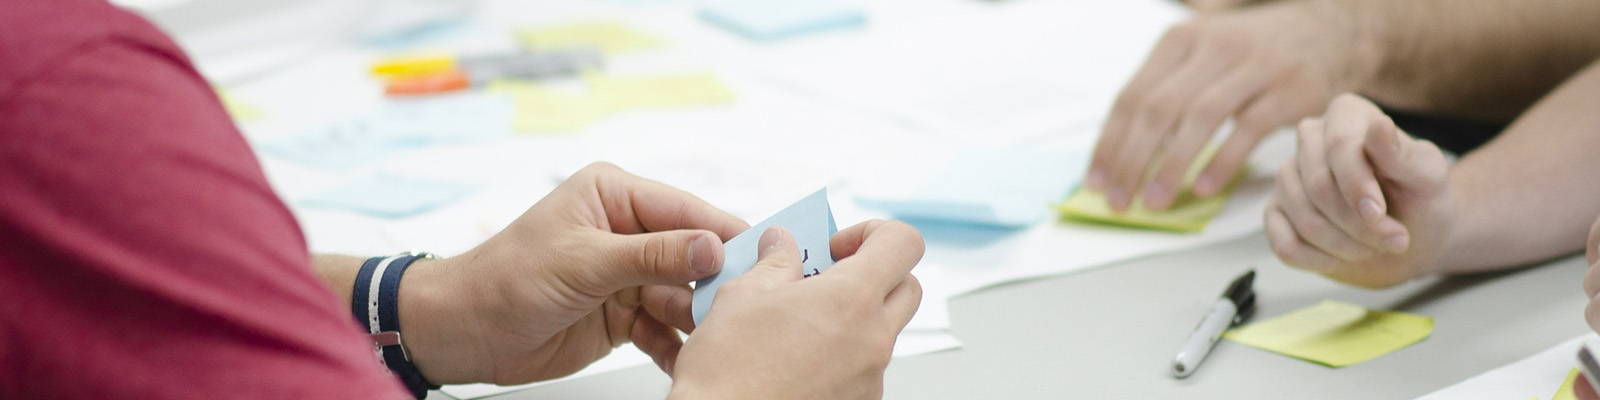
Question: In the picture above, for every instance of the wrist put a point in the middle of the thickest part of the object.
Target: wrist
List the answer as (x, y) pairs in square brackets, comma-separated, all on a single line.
[(435, 321)]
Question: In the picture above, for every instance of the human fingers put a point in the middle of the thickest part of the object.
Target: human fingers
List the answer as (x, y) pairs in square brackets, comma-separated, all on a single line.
[(1593, 251), (634, 204), (1362, 209), (902, 302), (669, 304), (1311, 224), (778, 260), (1318, 139), (658, 340), (659, 258), (879, 254), (1156, 120), (1168, 54), (1410, 164), (1290, 248), (1214, 105), (1284, 101)]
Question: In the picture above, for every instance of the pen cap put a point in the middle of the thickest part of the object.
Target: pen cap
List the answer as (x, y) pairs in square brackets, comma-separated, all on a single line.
[(1242, 287)]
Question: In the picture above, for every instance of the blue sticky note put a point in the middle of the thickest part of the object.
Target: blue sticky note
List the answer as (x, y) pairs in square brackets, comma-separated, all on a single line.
[(397, 124), (810, 221), (993, 186), (777, 19), (390, 196)]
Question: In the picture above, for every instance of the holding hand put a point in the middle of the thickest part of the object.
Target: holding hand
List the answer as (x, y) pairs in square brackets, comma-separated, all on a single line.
[(1264, 66), (1361, 202), (602, 260), (772, 335)]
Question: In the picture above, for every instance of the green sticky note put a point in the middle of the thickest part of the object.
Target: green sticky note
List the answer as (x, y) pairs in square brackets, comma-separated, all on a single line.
[(611, 37), (1335, 334), (1566, 392)]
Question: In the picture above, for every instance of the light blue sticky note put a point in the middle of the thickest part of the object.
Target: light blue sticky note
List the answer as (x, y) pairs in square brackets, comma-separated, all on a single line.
[(390, 195), (777, 19), (995, 186), (396, 125), (810, 221)]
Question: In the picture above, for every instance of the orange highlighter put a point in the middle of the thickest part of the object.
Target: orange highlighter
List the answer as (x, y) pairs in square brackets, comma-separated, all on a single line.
[(440, 73)]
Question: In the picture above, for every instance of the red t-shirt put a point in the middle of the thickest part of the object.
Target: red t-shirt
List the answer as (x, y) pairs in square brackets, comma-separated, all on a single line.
[(142, 253)]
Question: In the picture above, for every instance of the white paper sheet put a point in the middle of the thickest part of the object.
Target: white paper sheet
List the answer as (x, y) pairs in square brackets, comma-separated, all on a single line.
[(1537, 376)]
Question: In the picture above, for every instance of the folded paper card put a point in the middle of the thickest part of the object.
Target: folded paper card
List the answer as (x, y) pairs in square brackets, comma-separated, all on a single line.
[(1335, 334), (390, 196), (810, 221), (1007, 187), (777, 19), (1188, 213)]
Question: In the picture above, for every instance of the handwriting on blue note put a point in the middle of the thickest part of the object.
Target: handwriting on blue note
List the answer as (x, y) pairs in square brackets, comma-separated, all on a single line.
[(993, 186), (390, 195), (810, 221), (777, 19)]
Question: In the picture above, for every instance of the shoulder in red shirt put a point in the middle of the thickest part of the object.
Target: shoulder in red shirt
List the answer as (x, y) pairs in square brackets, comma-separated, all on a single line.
[(142, 252)]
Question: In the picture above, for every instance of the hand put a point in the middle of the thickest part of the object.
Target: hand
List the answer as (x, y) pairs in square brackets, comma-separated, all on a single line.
[(1265, 67), (605, 258), (1591, 280), (772, 335), (1361, 203)]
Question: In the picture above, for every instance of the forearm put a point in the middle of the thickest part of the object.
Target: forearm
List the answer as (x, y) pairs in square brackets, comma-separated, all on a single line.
[(431, 321), (1529, 195), (1476, 59)]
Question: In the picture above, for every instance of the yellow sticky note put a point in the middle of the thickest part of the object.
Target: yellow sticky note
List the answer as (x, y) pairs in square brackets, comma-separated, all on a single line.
[(1188, 213), (661, 91), (1565, 391), (612, 37), (538, 110), (1335, 334)]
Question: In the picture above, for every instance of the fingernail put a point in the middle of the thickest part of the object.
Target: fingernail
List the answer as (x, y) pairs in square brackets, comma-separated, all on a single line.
[(1156, 196), (702, 255), (1369, 210), (1118, 198), (1097, 179), (771, 237), (1396, 243)]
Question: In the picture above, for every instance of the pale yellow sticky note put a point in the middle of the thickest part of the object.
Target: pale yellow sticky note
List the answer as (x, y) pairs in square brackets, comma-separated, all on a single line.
[(1335, 334), (240, 110), (623, 93), (1188, 213), (611, 37), (538, 110), (1565, 392)]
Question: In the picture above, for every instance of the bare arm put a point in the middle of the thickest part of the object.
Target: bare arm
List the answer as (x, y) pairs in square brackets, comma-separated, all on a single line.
[(1529, 194), (1483, 60)]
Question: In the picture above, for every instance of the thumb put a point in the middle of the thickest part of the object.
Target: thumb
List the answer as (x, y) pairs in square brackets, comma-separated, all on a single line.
[(779, 258), (672, 257), (1408, 162)]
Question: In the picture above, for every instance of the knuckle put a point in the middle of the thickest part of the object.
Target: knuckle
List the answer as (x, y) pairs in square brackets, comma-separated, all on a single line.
[(1161, 108), (656, 253)]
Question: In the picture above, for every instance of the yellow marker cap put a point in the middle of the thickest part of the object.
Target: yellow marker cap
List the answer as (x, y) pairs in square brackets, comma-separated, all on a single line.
[(414, 64)]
